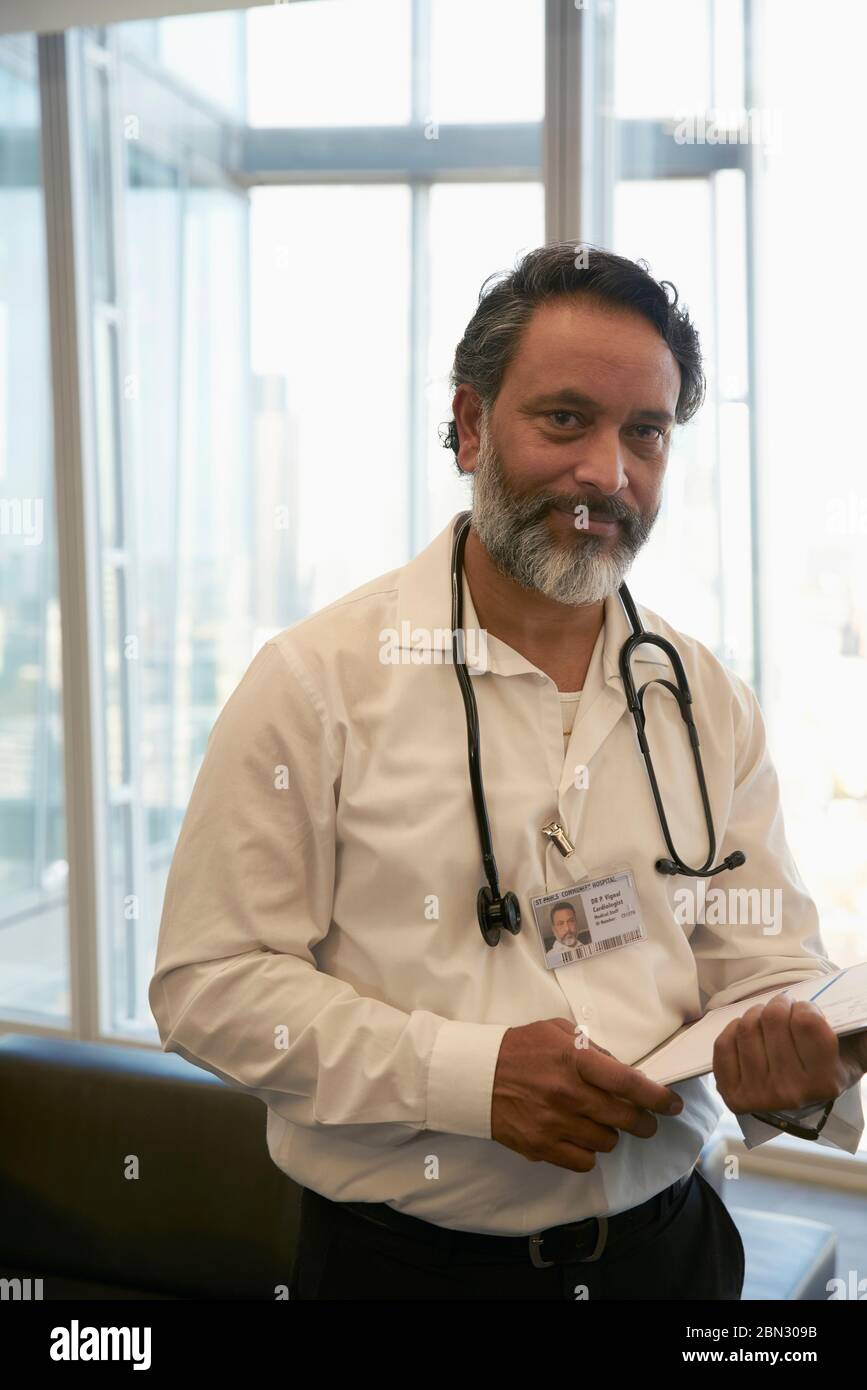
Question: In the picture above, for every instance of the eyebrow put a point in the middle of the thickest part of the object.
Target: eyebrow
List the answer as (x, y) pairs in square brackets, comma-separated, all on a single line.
[(553, 399)]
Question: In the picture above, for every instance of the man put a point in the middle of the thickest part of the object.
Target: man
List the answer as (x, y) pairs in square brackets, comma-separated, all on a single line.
[(564, 925), (465, 1122)]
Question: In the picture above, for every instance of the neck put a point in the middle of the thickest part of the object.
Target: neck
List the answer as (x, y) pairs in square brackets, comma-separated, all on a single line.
[(557, 637)]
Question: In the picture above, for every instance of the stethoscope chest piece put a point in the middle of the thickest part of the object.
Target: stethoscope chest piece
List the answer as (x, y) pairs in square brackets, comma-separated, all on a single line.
[(493, 915)]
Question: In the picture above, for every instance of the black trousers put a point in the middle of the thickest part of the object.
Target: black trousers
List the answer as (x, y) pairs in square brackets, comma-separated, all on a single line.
[(687, 1248)]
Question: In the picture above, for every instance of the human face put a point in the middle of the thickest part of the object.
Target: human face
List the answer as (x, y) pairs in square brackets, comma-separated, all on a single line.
[(583, 419), (565, 926)]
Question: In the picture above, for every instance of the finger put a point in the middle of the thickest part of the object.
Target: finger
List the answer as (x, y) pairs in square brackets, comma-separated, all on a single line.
[(784, 1062), (564, 1154), (726, 1065), (611, 1110), (750, 1043), (610, 1075), (589, 1134), (815, 1041)]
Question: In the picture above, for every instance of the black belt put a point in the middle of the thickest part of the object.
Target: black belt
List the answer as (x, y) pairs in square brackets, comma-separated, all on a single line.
[(576, 1241)]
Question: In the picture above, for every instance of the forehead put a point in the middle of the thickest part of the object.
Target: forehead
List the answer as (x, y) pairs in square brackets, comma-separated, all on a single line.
[(610, 353)]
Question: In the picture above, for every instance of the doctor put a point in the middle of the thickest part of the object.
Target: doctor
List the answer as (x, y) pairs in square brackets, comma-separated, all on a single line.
[(465, 1122)]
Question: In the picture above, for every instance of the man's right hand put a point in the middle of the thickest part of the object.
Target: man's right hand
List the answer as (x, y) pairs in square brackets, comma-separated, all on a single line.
[(557, 1103)]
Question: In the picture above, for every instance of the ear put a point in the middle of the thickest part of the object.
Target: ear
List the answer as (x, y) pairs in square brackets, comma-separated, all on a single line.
[(467, 409)]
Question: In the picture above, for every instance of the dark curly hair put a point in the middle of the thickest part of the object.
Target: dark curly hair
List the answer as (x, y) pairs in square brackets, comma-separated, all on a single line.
[(507, 300)]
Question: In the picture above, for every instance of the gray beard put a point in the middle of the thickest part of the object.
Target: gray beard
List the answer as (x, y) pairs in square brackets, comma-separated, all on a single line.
[(516, 534)]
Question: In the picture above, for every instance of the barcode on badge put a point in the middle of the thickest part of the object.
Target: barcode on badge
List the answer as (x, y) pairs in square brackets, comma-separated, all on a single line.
[(622, 940), (598, 946)]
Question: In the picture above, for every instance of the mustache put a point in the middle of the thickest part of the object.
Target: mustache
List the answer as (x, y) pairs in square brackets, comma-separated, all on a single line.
[(607, 508)]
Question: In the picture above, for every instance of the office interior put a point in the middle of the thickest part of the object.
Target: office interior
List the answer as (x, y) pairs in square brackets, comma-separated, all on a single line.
[(238, 244)]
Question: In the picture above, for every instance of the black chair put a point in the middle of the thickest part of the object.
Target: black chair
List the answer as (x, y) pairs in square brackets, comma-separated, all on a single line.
[(209, 1215)]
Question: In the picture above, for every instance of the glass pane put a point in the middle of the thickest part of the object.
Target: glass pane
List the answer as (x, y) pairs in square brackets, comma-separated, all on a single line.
[(728, 190), (231, 432), (814, 519), (497, 70), (34, 965), (667, 223), (330, 315), (205, 52), (475, 230), (178, 619), (154, 232), (663, 57), (670, 61), (305, 63)]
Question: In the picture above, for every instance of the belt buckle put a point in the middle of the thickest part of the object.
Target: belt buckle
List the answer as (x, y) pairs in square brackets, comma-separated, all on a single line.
[(537, 1240)]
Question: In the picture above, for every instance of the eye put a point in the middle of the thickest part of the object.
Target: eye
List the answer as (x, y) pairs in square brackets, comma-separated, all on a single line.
[(660, 432), (567, 413)]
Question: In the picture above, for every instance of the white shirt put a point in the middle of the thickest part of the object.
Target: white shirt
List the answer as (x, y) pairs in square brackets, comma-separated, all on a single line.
[(319, 943)]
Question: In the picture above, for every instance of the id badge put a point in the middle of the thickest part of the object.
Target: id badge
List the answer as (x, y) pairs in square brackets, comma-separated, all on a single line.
[(596, 914)]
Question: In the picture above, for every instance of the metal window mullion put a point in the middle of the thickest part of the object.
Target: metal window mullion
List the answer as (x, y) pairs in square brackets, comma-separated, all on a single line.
[(713, 207), (129, 615), (751, 30), (563, 127), (419, 190), (717, 443), (177, 476), (609, 153), (418, 360), (252, 496), (41, 780), (64, 178)]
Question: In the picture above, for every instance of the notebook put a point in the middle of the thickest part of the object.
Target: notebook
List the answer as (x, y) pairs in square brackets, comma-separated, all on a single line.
[(842, 998)]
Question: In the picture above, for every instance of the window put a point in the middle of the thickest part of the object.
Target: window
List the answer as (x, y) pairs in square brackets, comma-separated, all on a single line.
[(810, 303), (659, 190), (271, 277), (34, 961), (278, 249)]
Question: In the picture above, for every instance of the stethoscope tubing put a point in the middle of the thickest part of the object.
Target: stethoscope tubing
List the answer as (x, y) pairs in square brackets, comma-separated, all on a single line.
[(490, 903)]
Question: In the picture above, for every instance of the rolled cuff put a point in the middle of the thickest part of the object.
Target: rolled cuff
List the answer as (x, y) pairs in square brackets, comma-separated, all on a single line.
[(842, 1129), (461, 1078)]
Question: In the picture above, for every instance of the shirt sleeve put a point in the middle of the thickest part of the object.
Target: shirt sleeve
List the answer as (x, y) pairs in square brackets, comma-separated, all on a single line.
[(778, 942), (236, 987)]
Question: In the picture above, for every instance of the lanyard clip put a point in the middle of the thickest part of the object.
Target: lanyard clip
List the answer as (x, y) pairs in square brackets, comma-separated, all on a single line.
[(557, 834)]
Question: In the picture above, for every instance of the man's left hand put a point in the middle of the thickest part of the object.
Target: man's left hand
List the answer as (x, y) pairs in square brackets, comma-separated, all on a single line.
[(783, 1055)]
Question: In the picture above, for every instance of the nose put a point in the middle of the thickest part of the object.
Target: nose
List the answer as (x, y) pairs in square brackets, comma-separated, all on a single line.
[(602, 466)]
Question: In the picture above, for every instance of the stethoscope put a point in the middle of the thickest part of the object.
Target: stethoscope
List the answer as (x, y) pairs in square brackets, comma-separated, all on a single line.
[(496, 911)]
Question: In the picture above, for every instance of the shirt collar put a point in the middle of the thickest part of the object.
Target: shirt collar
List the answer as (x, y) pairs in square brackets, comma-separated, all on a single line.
[(424, 609)]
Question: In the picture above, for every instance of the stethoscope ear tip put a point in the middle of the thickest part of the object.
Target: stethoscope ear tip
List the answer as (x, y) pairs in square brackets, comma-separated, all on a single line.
[(666, 866)]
